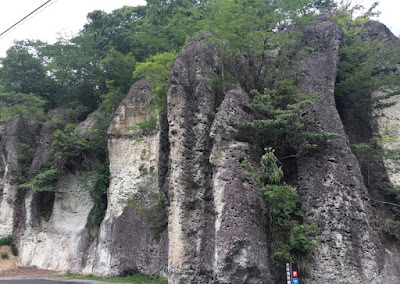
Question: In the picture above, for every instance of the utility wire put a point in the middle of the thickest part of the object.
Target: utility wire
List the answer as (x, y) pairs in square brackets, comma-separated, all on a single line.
[(24, 18)]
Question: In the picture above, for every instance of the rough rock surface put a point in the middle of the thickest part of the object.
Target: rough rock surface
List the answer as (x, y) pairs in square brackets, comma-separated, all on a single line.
[(45, 138), (53, 232), (127, 242), (214, 237), (240, 240), (61, 242), (10, 134), (330, 182)]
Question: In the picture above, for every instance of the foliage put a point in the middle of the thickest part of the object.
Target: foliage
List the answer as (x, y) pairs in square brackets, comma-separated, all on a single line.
[(29, 106), (223, 81), (144, 128), (4, 255), (67, 144), (135, 278), (97, 182), (290, 237), (23, 72), (151, 211), (282, 110), (156, 70), (8, 241), (240, 27), (43, 181), (118, 70), (366, 65)]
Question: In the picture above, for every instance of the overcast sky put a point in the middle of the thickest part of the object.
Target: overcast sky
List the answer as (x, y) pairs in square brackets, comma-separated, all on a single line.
[(67, 17)]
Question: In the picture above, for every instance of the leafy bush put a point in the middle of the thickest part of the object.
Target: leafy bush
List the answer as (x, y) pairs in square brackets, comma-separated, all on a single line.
[(67, 144), (290, 237), (97, 182), (13, 105), (144, 128), (156, 70), (4, 255), (282, 110), (45, 180), (6, 241), (14, 249)]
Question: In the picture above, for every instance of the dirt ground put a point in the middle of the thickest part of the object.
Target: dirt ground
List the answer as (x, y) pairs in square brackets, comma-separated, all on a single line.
[(9, 267)]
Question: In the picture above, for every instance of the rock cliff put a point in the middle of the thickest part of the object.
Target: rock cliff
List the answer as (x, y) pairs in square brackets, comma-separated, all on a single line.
[(179, 202), (215, 223), (129, 240), (329, 179)]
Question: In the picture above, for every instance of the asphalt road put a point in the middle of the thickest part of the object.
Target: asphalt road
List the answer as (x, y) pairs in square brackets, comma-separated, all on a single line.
[(38, 281)]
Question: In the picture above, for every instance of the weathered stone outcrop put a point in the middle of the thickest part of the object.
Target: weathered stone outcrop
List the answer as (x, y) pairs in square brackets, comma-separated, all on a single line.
[(179, 202), (45, 137), (216, 234), (240, 240), (329, 179), (10, 134), (60, 242), (53, 234), (128, 239)]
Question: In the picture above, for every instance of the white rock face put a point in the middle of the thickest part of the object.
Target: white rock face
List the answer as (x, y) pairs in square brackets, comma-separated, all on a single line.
[(132, 171), (8, 195), (9, 170), (61, 242), (126, 240)]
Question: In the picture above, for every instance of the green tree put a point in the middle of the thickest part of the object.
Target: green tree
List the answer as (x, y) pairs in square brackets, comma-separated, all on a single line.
[(290, 238), (156, 70), (29, 106), (118, 70), (366, 65)]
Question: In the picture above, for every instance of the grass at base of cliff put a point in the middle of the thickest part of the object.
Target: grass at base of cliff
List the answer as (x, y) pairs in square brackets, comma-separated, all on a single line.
[(135, 278)]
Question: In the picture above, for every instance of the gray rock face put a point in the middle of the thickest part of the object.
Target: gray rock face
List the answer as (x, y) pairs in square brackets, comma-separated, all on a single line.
[(330, 182), (10, 134), (210, 225), (45, 138), (53, 234), (128, 241), (215, 228), (240, 239)]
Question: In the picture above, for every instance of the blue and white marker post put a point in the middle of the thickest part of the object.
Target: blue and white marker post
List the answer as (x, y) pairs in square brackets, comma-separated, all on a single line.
[(288, 267), (292, 274)]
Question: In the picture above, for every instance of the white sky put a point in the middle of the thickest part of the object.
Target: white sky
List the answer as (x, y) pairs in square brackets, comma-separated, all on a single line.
[(67, 17), (63, 17)]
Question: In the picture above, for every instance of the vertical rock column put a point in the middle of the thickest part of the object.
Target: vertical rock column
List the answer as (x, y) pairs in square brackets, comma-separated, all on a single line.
[(330, 182), (127, 239), (216, 225), (191, 105), (9, 171), (240, 226)]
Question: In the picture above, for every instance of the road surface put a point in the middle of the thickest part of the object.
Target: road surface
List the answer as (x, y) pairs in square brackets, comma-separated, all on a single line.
[(40, 281)]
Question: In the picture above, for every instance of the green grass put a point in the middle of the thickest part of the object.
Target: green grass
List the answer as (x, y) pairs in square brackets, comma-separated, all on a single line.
[(4, 255), (8, 241), (136, 278)]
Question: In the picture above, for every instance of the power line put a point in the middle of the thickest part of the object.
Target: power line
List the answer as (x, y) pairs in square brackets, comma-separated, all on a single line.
[(24, 18)]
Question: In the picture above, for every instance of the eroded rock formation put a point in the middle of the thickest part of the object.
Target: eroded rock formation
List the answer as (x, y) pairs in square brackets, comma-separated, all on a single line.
[(129, 240), (215, 226), (211, 221), (329, 179)]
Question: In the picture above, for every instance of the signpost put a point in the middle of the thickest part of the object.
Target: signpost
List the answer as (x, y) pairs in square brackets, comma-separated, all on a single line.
[(288, 273), (292, 274)]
